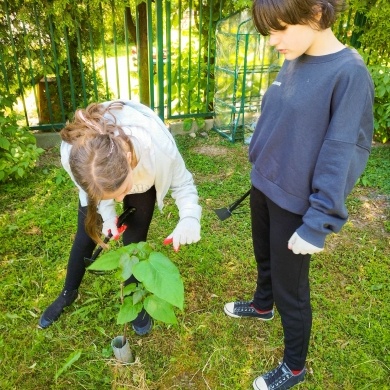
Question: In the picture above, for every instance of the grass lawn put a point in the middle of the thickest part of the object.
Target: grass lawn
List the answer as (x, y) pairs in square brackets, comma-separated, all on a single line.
[(207, 350)]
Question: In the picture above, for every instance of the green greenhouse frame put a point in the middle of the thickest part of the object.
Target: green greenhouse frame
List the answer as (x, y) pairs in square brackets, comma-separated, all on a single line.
[(245, 66)]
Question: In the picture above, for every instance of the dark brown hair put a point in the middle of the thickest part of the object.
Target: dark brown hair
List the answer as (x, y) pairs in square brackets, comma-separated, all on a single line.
[(273, 14), (98, 158)]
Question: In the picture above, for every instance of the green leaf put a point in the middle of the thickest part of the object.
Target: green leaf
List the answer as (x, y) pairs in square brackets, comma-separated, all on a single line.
[(160, 310), (200, 122), (187, 124), (106, 262), (12, 315), (161, 277), (128, 311), (110, 260), (138, 295), (143, 250), (71, 359), (126, 264), (130, 288), (4, 143)]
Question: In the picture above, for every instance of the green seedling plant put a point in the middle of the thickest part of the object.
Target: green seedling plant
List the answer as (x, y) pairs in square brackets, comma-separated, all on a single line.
[(159, 288)]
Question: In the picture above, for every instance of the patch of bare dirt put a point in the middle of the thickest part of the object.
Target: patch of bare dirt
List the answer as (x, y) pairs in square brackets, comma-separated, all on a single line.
[(211, 150), (370, 216), (50, 157), (374, 209)]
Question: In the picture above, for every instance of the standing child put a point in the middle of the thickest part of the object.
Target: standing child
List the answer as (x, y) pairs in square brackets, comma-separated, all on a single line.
[(311, 144), (121, 151)]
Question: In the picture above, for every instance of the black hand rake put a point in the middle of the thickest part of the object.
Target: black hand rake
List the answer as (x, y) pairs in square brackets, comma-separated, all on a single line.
[(226, 212)]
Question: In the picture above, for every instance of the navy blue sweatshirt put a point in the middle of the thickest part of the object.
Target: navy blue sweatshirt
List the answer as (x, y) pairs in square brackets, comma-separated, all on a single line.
[(313, 139)]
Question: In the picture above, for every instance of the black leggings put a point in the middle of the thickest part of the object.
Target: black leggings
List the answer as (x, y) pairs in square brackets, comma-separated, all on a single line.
[(283, 277), (137, 230)]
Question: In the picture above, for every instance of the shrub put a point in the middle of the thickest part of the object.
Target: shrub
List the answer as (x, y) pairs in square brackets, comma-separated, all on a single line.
[(18, 150), (381, 78), (371, 26)]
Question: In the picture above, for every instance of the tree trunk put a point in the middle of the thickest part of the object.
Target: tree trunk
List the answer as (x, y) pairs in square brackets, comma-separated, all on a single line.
[(142, 49), (130, 24), (143, 62)]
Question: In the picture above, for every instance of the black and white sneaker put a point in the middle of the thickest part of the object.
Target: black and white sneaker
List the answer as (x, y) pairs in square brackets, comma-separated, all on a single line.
[(280, 378), (246, 309)]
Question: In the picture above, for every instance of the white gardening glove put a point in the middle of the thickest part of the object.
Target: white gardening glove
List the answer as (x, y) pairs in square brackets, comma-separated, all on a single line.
[(187, 231), (299, 246), (109, 227)]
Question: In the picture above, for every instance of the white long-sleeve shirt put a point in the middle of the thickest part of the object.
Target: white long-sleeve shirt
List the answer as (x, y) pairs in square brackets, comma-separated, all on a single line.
[(159, 162)]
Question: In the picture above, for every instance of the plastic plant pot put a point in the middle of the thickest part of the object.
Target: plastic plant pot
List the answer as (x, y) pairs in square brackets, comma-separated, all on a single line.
[(122, 351)]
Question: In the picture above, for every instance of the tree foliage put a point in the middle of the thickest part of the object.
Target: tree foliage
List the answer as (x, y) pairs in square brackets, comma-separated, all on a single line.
[(372, 26), (18, 150), (60, 37), (44, 39)]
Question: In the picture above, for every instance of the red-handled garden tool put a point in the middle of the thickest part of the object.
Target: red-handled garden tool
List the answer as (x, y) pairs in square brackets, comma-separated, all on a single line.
[(120, 226)]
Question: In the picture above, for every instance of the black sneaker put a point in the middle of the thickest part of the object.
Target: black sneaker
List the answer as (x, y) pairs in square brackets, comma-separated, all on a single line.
[(280, 378), (53, 312), (245, 309)]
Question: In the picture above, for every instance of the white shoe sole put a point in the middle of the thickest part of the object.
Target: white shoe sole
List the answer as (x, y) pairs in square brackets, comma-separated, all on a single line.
[(229, 310), (259, 384)]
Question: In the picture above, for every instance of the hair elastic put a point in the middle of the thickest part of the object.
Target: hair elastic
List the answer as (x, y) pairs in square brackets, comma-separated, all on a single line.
[(89, 123), (111, 147)]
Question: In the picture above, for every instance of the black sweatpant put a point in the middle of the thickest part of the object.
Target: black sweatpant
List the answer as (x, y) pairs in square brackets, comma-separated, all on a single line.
[(137, 230), (283, 277)]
